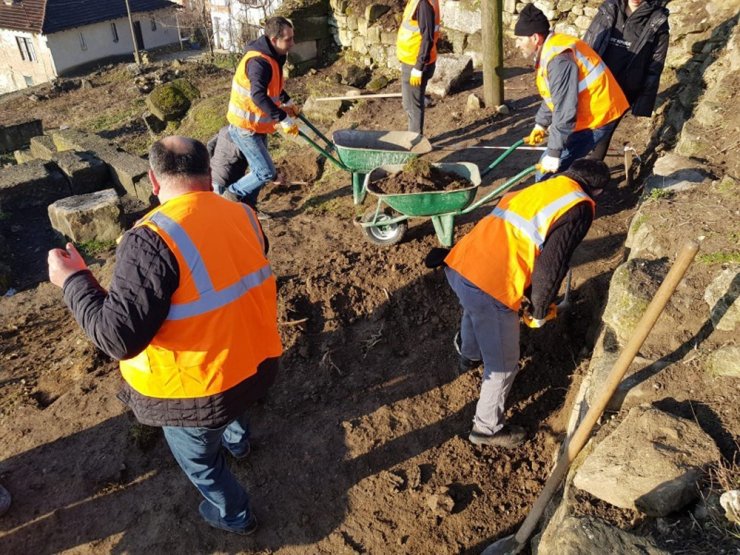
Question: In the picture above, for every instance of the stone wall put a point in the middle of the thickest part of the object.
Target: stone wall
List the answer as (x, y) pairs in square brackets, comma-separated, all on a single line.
[(372, 34), (14, 137), (313, 34)]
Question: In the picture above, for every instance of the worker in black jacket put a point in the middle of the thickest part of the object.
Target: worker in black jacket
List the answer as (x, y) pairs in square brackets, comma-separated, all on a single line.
[(191, 315), (631, 36)]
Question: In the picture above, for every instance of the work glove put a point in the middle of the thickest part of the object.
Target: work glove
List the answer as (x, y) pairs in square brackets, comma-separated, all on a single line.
[(291, 109), (531, 322), (549, 164), (436, 257), (536, 136), (289, 127), (415, 79)]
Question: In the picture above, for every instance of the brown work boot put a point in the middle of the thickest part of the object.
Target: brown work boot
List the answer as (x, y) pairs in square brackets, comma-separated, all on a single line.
[(507, 437)]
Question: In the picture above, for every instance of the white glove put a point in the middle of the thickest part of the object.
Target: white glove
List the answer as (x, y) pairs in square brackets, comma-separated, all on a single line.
[(289, 127), (549, 164), (415, 79)]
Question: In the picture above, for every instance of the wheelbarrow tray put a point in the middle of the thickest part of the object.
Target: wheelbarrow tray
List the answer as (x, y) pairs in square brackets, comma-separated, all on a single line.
[(430, 203), (362, 150)]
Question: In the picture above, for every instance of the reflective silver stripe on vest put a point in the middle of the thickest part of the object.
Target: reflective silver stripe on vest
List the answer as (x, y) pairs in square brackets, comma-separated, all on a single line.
[(249, 116), (209, 299), (255, 226), (248, 93), (217, 299), (188, 250), (530, 228)]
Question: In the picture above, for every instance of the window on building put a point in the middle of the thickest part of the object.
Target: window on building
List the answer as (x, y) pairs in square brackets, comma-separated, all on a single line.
[(114, 31), (83, 46), (29, 80), (154, 24), (25, 46)]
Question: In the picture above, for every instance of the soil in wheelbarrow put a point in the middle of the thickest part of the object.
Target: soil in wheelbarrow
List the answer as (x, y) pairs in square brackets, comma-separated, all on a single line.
[(419, 176)]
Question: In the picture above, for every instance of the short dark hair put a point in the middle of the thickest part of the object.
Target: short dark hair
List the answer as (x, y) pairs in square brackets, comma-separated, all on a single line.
[(590, 174), (275, 26), (192, 161)]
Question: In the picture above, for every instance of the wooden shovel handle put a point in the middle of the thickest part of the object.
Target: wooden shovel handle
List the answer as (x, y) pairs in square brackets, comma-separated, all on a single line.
[(575, 443)]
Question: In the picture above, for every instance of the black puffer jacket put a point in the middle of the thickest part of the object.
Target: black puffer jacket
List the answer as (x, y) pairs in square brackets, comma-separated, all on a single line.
[(634, 48)]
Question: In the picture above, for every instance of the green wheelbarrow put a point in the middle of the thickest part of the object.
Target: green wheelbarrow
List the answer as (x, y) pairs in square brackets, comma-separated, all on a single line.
[(361, 151), (387, 223)]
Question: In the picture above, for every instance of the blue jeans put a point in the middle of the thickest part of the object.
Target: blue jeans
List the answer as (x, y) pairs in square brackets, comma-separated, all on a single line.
[(198, 452), (261, 168), (489, 331), (578, 145)]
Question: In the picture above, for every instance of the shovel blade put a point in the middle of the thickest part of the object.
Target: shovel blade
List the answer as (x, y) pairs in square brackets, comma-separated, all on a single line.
[(504, 546)]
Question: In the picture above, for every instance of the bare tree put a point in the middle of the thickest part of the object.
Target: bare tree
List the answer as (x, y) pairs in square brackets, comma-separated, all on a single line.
[(195, 17)]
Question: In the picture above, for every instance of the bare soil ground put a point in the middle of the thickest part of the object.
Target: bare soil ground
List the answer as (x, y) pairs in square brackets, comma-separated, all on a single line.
[(362, 446)]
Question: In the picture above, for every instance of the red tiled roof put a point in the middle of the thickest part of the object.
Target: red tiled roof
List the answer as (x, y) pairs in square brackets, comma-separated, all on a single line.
[(50, 16), (23, 15)]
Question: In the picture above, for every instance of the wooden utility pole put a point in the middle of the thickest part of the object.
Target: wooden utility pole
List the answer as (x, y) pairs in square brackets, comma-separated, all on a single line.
[(133, 36), (493, 52)]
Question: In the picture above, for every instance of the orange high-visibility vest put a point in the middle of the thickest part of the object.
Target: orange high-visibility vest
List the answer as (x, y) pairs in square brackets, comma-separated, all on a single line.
[(498, 255), (408, 41), (600, 98), (243, 112), (222, 321)]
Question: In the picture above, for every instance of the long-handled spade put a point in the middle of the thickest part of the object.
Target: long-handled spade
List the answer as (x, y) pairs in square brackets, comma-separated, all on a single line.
[(511, 545)]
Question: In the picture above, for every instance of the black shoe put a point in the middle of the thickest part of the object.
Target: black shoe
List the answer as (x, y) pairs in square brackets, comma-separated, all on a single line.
[(211, 516), (464, 364), (263, 216), (509, 436)]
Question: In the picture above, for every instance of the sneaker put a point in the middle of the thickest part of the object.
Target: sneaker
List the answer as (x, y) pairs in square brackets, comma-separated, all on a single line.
[(239, 455), (464, 364), (263, 216), (211, 516), (509, 436)]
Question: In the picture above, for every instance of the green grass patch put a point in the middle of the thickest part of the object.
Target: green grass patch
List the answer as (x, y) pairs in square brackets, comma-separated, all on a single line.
[(205, 117), (113, 119), (721, 257), (661, 194), (227, 61), (94, 247)]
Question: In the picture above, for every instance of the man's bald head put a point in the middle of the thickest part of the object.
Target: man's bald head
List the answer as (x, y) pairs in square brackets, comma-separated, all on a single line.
[(180, 164)]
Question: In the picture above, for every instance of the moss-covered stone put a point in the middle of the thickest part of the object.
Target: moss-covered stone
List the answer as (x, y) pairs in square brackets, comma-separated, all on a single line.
[(377, 84), (168, 102), (190, 91), (205, 118)]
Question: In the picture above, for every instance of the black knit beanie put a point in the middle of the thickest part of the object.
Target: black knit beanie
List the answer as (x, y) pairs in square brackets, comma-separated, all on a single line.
[(531, 20)]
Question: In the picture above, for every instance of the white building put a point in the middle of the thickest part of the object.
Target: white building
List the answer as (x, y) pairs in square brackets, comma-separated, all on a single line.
[(44, 39), (236, 22)]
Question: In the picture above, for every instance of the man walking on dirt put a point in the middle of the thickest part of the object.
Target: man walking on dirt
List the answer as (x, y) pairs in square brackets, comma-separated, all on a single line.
[(581, 100), (191, 314), (416, 49), (522, 248), (259, 106)]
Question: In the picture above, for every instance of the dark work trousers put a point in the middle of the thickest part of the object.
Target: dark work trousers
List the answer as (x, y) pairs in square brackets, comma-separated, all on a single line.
[(413, 97), (601, 148), (489, 331)]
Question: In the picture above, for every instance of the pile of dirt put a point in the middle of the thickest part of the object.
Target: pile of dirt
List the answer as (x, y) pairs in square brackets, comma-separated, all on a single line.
[(420, 176)]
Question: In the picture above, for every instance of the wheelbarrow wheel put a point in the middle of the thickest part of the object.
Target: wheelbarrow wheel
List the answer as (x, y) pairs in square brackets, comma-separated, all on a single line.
[(383, 234)]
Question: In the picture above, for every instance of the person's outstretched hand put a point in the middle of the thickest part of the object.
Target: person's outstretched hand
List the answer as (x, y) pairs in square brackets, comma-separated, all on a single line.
[(64, 263)]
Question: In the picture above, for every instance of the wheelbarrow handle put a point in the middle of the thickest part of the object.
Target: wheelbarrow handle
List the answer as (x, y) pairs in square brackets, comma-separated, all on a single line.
[(325, 153), (312, 127), (507, 185), (500, 159)]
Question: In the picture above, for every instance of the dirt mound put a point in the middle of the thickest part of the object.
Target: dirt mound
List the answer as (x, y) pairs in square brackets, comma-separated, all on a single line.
[(420, 176)]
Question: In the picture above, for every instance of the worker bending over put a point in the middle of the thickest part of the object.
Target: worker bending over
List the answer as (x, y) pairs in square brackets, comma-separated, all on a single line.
[(522, 248), (581, 100)]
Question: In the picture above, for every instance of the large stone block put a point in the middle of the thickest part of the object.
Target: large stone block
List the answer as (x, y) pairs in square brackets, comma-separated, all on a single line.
[(23, 156), (456, 16), (451, 71), (325, 112), (650, 463), (721, 297), (36, 183), (90, 217), (303, 52), (725, 361), (168, 102), (42, 147), (86, 173), (74, 139), (13, 137)]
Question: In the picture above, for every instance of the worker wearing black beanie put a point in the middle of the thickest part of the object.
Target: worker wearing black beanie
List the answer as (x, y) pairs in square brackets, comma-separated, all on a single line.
[(581, 100), (531, 20)]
